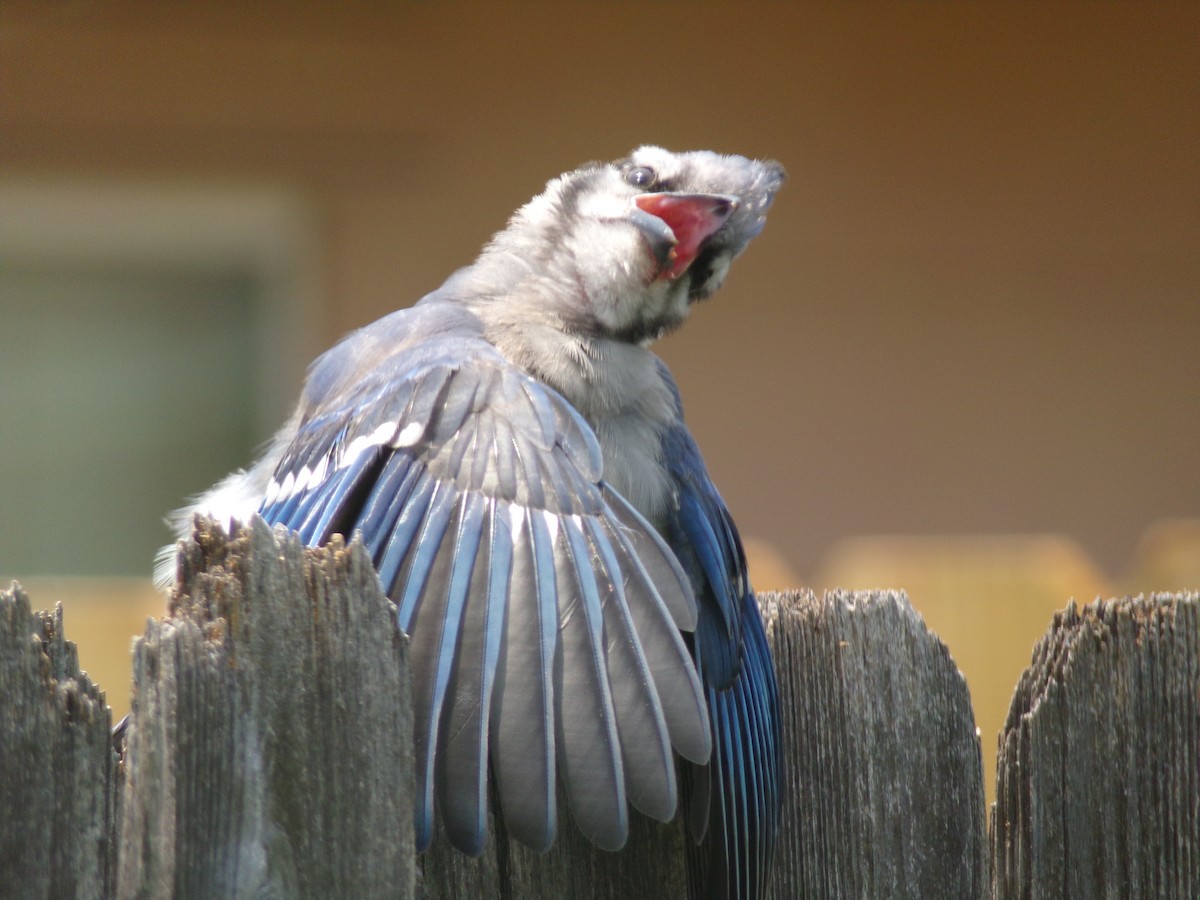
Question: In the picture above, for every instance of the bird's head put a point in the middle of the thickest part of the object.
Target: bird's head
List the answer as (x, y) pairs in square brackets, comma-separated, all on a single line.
[(750, 184), (624, 248)]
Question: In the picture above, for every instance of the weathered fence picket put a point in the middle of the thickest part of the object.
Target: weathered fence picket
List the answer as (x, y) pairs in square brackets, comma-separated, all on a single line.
[(57, 766), (1098, 780), (270, 746), (884, 775), (269, 754)]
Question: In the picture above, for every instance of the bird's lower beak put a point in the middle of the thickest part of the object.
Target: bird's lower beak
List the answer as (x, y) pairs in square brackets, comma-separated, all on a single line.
[(691, 220)]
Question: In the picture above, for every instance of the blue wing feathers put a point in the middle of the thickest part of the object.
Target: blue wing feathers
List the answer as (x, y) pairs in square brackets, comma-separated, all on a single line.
[(457, 403), (285, 510), (521, 729), (422, 553), (697, 526), (543, 415), (468, 534), (434, 616), (584, 713), (742, 793), (527, 474), (461, 770), (646, 755), (718, 634), (552, 474), (485, 459), (317, 514), (391, 494), (463, 447), (504, 450), (678, 687), (546, 611), (657, 560), (390, 548), (499, 572), (429, 390), (458, 663)]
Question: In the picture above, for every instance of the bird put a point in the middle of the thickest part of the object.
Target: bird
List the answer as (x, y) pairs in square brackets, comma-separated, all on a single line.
[(514, 457)]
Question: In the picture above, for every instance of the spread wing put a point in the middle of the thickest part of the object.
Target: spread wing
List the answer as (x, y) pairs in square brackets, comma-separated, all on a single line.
[(544, 612), (736, 798)]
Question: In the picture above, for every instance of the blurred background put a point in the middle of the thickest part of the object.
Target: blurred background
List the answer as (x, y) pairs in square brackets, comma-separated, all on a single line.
[(963, 359)]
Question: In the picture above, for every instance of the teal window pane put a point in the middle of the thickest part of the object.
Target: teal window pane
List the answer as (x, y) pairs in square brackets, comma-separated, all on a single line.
[(122, 391)]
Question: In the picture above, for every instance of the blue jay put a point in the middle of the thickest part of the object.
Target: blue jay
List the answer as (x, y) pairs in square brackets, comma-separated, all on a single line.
[(515, 460)]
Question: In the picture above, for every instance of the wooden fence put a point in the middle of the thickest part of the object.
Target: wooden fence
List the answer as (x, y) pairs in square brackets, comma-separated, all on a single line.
[(269, 754)]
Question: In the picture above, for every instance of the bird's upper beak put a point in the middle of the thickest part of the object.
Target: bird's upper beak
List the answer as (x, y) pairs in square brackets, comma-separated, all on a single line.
[(677, 225)]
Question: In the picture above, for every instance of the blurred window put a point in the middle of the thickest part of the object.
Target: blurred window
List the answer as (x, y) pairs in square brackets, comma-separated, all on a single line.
[(141, 331)]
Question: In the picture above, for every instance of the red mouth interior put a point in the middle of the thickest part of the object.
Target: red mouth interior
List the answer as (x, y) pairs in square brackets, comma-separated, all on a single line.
[(692, 217)]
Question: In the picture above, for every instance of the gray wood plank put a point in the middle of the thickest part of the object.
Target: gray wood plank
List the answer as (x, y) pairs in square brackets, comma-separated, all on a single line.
[(270, 746), (884, 784), (57, 766), (1098, 777)]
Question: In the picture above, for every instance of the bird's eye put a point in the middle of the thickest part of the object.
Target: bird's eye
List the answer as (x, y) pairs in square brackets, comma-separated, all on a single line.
[(640, 176)]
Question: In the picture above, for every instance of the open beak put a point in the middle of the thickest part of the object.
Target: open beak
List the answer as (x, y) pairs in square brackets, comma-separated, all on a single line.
[(689, 220)]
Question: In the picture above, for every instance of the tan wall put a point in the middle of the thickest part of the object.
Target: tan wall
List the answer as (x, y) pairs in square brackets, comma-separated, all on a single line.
[(975, 309)]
